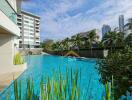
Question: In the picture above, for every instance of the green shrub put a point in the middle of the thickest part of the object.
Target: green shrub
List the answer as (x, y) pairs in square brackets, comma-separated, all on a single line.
[(117, 64), (18, 59)]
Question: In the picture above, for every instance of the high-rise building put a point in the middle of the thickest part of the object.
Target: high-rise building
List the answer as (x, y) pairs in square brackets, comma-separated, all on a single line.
[(121, 23), (29, 25), (105, 29)]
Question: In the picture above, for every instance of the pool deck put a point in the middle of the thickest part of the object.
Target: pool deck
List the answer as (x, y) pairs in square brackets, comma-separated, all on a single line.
[(8, 74), (6, 79)]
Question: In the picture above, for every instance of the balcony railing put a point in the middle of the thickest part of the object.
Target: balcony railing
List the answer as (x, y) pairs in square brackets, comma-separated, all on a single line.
[(6, 8)]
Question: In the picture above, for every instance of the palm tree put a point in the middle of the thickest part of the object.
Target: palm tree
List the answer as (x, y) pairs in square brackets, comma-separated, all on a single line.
[(100, 44), (62, 46), (66, 43), (92, 38), (77, 41), (128, 39), (56, 46), (113, 39)]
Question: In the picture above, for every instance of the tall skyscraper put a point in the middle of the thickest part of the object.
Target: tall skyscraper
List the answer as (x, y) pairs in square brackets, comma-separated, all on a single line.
[(121, 23), (29, 25), (105, 29)]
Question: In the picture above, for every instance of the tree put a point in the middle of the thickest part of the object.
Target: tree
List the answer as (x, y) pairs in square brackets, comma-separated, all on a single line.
[(100, 44), (56, 46), (66, 43), (128, 40), (92, 38), (113, 39), (119, 65), (47, 45), (76, 41)]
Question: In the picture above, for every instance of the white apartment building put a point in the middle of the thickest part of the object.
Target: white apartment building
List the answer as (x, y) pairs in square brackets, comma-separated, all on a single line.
[(29, 25)]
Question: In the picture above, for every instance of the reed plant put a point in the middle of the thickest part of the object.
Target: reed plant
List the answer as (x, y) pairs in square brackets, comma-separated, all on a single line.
[(58, 87)]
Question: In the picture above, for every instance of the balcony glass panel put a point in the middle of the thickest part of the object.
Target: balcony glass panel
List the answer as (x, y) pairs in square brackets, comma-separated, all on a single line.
[(8, 10)]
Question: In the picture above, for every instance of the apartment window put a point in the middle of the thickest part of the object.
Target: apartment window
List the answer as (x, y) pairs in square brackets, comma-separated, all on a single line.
[(31, 19), (26, 37), (37, 30), (26, 17), (37, 37), (31, 37), (19, 20), (26, 29), (19, 23), (37, 42), (31, 30), (26, 21), (31, 26), (26, 25), (31, 33)]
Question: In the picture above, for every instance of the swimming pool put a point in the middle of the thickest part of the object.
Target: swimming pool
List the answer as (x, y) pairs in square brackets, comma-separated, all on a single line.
[(44, 65)]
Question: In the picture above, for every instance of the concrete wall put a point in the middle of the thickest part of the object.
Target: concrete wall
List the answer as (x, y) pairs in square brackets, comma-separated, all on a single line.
[(7, 52), (6, 49)]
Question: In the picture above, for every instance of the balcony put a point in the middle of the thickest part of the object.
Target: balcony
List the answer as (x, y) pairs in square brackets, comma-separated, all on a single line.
[(8, 19), (37, 35), (8, 10)]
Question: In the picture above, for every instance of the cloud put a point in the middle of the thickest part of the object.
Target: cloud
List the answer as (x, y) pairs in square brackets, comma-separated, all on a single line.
[(58, 23)]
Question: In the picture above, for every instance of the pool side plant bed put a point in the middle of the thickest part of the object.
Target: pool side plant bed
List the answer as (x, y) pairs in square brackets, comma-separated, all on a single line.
[(18, 60)]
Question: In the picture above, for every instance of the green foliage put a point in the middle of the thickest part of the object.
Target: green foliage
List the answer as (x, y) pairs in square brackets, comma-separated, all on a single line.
[(107, 90), (117, 64), (92, 38), (113, 39), (18, 59), (75, 42), (128, 39), (47, 45), (17, 90)]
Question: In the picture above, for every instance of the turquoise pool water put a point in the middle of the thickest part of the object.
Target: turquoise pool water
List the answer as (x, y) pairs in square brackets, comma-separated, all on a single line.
[(43, 65)]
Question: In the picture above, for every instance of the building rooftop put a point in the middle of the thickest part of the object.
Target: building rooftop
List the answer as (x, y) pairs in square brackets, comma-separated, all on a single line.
[(30, 14)]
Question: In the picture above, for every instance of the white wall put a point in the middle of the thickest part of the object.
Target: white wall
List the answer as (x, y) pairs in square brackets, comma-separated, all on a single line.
[(8, 25), (6, 50)]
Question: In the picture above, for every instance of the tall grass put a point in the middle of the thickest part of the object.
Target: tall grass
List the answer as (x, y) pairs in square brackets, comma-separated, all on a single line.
[(58, 87), (18, 59)]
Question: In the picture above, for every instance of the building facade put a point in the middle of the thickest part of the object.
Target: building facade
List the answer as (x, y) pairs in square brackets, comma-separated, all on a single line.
[(105, 29), (121, 23), (29, 25), (9, 33)]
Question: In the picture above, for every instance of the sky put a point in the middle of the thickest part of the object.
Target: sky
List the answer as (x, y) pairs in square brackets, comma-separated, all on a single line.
[(64, 18)]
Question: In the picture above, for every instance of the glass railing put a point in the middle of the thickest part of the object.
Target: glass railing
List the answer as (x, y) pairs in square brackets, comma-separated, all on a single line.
[(8, 10)]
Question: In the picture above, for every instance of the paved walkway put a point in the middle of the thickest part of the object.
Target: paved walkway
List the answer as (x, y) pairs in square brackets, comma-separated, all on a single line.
[(6, 79)]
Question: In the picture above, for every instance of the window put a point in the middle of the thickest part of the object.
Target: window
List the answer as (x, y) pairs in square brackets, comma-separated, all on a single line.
[(26, 21)]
